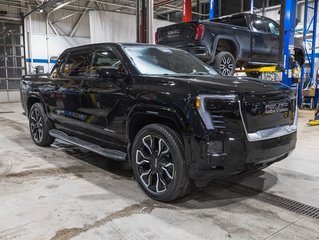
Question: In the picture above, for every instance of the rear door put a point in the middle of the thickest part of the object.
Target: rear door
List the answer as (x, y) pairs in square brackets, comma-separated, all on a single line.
[(66, 99), (104, 101), (261, 40)]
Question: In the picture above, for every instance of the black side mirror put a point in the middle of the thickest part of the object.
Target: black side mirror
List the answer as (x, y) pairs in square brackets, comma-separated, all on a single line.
[(108, 72)]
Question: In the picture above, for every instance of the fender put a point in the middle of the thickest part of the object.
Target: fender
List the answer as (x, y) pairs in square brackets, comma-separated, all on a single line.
[(223, 37), (38, 96), (165, 112)]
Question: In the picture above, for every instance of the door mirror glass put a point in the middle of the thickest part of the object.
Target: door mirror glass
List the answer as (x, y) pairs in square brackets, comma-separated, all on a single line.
[(107, 72)]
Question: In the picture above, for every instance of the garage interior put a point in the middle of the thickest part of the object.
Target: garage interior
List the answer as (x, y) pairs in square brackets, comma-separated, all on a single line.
[(66, 192)]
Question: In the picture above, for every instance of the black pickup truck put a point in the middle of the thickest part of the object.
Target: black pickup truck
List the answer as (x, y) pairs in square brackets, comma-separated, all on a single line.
[(239, 40), (174, 118)]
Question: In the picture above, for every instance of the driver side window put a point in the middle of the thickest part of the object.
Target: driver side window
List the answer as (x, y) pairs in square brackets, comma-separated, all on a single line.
[(104, 59)]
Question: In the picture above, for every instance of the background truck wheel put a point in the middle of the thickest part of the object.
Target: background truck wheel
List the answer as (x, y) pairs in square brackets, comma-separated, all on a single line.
[(40, 126), (158, 163), (225, 63)]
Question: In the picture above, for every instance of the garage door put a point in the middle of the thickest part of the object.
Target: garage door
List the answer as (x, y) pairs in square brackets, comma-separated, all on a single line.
[(11, 55)]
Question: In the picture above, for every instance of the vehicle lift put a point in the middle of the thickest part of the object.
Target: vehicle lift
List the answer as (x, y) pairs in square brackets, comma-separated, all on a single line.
[(286, 62)]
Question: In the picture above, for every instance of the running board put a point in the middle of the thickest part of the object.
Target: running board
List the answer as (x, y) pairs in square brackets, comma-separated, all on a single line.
[(109, 153)]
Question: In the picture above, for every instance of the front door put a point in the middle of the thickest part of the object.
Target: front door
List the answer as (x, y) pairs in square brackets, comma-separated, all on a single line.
[(273, 28), (104, 100), (261, 41)]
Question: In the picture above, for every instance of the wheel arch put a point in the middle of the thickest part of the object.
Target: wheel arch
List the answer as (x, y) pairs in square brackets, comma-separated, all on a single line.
[(32, 99), (141, 116), (225, 43)]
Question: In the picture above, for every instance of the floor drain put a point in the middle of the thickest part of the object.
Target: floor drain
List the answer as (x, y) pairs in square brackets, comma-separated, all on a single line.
[(281, 202)]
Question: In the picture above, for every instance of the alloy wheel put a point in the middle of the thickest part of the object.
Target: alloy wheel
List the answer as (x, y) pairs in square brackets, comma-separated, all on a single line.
[(36, 125), (155, 165), (226, 66)]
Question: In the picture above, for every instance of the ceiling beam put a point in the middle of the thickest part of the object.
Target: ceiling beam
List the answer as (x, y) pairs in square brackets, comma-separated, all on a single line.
[(77, 24)]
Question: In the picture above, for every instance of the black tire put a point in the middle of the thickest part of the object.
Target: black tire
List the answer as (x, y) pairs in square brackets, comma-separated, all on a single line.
[(40, 126), (225, 63), (161, 174)]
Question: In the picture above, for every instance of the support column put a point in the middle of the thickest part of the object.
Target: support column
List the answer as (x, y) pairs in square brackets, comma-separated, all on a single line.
[(288, 39), (138, 21), (150, 16), (211, 9), (187, 10)]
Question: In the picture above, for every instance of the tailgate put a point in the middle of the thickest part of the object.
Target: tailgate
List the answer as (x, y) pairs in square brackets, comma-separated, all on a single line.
[(177, 34)]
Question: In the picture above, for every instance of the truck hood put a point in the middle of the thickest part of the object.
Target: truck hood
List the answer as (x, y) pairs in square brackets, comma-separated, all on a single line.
[(219, 84)]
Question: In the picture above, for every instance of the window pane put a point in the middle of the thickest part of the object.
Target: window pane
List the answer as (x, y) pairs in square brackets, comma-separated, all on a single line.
[(14, 62), (3, 84), (77, 65), (3, 73), (13, 84), (14, 73), (274, 29), (105, 58)]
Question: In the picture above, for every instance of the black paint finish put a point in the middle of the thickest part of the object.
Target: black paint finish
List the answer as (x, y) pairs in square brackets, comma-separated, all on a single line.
[(110, 111)]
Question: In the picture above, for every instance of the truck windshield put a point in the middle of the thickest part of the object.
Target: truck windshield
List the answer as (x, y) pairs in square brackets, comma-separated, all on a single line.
[(152, 60)]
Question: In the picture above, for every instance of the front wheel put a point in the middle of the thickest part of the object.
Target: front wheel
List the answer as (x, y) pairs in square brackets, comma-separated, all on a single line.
[(225, 63), (40, 126), (158, 163)]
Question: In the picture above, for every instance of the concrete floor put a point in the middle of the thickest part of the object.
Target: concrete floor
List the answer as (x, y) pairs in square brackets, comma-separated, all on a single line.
[(62, 192)]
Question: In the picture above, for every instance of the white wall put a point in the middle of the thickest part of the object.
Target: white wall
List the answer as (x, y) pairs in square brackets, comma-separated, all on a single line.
[(116, 27), (56, 45)]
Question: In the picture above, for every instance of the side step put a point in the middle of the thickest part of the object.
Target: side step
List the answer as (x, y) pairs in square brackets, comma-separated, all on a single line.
[(109, 153)]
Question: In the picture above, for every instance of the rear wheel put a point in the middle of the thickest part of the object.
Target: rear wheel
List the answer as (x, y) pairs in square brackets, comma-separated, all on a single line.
[(225, 63), (158, 163), (40, 126)]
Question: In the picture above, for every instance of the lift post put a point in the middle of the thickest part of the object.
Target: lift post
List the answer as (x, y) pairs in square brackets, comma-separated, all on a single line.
[(211, 9), (289, 15), (310, 28)]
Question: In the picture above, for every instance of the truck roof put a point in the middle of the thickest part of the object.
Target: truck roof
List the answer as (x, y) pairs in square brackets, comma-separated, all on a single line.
[(97, 45)]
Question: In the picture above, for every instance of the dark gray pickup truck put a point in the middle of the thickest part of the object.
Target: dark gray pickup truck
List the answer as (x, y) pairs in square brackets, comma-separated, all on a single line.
[(240, 40)]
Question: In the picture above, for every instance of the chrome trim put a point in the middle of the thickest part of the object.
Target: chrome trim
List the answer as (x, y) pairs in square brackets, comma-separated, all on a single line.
[(205, 115), (251, 137), (271, 132)]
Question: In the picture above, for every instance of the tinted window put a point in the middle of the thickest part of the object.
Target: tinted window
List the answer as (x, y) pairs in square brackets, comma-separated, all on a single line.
[(105, 58), (237, 21), (78, 64), (57, 66), (273, 27), (259, 25)]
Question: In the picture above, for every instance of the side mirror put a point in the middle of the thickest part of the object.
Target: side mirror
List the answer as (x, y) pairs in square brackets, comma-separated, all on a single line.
[(108, 72)]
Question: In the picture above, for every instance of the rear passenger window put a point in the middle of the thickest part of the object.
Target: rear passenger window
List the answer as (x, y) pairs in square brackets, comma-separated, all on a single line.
[(238, 21), (78, 64)]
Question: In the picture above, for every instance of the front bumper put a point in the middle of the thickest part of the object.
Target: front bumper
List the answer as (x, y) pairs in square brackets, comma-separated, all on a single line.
[(239, 155)]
